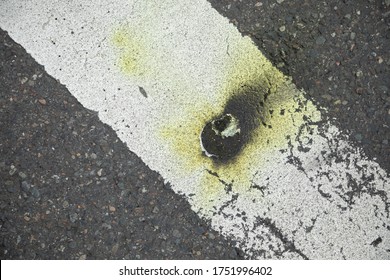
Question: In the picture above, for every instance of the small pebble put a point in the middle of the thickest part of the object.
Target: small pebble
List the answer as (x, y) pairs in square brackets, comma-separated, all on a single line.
[(106, 226), (42, 101), (65, 204), (9, 183), (114, 249), (176, 233), (25, 186), (13, 170), (320, 40), (73, 217), (358, 137), (199, 230), (35, 192), (359, 90), (384, 89), (99, 173), (72, 244), (359, 73), (11, 188)]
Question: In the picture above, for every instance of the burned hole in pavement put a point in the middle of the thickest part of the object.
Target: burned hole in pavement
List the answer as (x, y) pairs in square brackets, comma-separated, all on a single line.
[(221, 138), (224, 137)]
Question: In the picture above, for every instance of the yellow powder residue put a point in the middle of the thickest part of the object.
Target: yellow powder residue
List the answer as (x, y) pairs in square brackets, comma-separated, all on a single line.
[(249, 66), (285, 109), (132, 51)]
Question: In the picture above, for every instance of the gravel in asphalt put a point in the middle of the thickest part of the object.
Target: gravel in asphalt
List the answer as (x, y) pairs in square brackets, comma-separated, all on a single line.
[(71, 190), (337, 51)]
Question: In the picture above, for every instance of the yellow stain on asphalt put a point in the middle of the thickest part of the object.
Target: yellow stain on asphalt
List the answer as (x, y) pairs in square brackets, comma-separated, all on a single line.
[(286, 111), (247, 66)]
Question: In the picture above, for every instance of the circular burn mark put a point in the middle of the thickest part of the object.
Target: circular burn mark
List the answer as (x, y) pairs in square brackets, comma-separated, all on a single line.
[(223, 137), (220, 138)]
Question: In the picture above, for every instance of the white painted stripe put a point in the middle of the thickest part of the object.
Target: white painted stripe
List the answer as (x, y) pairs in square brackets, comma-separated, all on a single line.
[(298, 189)]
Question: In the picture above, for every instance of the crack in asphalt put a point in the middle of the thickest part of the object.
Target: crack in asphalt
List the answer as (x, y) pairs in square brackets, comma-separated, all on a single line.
[(289, 245)]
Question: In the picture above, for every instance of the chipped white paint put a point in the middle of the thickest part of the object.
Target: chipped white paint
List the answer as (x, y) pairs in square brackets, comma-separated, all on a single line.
[(304, 193)]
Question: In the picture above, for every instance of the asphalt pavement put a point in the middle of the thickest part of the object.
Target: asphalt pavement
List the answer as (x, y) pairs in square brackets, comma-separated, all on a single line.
[(337, 51), (71, 188)]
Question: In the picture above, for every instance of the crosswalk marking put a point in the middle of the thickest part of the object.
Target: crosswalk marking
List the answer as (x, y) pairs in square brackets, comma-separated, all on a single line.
[(296, 189)]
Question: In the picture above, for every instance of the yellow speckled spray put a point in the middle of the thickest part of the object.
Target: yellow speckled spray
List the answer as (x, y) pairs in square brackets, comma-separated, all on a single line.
[(186, 85), (284, 110)]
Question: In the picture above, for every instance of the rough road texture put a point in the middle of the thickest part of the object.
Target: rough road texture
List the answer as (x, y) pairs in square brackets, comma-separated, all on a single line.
[(71, 190), (337, 51)]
